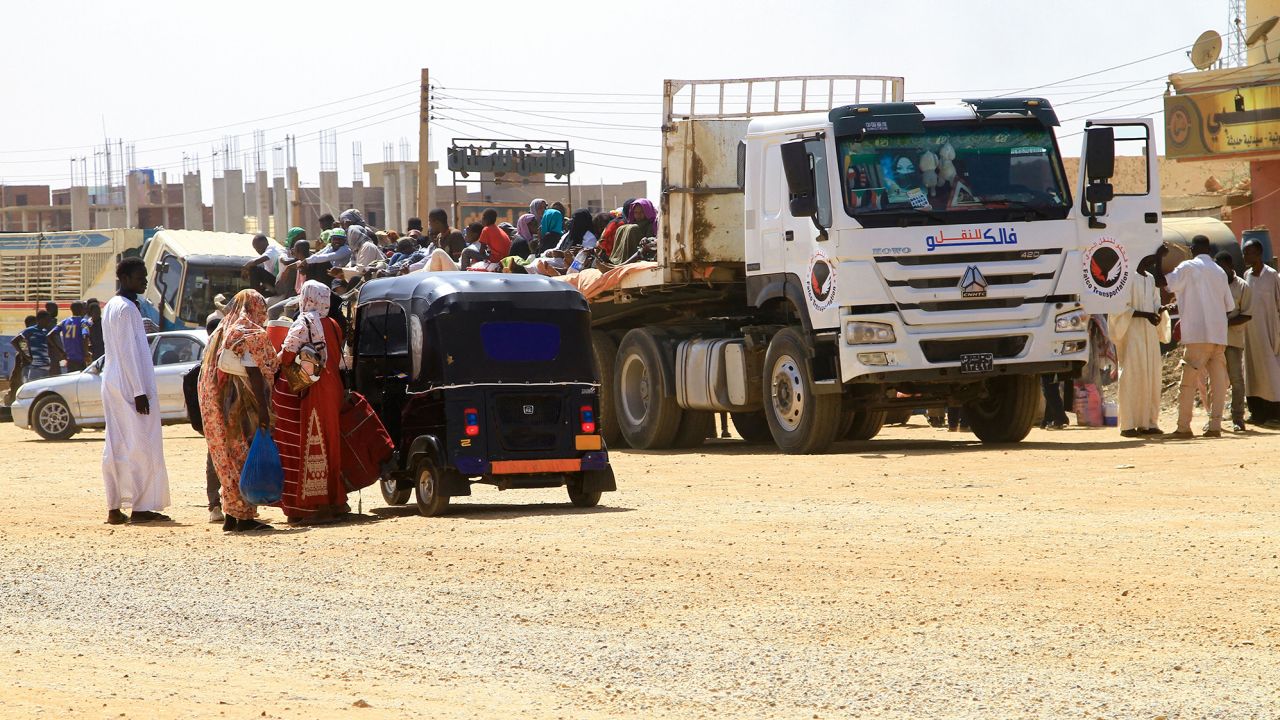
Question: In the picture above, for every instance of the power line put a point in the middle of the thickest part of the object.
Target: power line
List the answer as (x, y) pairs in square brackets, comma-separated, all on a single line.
[(483, 128), (576, 137), (547, 117)]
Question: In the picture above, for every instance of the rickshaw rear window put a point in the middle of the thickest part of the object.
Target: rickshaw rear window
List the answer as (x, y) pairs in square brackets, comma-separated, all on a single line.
[(383, 332), (520, 341)]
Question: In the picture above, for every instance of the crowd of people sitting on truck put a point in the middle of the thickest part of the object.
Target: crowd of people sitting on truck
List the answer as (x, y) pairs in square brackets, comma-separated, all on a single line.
[(543, 241)]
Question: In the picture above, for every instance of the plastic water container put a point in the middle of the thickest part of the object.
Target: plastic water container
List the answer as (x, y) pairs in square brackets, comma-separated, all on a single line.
[(1110, 414)]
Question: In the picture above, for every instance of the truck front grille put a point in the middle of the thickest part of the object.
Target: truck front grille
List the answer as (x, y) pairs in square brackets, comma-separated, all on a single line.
[(943, 351)]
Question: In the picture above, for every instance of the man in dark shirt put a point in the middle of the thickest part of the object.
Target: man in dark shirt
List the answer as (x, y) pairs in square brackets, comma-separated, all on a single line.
[(445, 237), (21, 360), (73, 334), (36, 338), (94, 309)]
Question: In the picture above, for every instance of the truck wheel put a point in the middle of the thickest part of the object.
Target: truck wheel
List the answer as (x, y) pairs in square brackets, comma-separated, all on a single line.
[(605, 352), (752, 426), (648, 415), (51, 418), (1005, 415), (579, 496), (430, 502), (800, 421), (392, 494), (866, 424), (695, 427)]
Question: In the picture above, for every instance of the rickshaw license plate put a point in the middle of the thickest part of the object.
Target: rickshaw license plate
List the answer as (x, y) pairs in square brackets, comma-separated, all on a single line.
[(976, 363)]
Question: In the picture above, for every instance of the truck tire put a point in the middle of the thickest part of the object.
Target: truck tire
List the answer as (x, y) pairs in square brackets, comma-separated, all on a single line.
[(695, 427), (1006, 414), (801, 421), (865, 424), (51, 418), (752, 426), (605, 352), (648, 415)]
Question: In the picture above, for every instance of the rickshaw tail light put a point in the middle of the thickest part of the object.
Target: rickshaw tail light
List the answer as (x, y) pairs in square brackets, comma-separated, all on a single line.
[(471, 418), (588, 416)]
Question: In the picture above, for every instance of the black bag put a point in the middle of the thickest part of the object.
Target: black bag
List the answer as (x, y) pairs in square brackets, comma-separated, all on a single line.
[(191, 394)]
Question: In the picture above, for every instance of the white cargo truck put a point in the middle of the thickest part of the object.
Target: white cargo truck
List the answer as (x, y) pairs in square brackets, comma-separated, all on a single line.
[(817, 270)]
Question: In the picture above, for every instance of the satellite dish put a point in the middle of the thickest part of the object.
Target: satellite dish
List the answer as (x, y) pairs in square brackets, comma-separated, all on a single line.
[(1260, 33), (1206, 50)]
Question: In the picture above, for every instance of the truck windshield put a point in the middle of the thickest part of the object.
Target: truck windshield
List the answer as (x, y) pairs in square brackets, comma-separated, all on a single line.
[(954, 173), (202, 285)]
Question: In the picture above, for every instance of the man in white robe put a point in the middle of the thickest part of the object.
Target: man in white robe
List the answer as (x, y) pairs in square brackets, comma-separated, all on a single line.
[(1136, 333), (1262, 339), (133, 456), (1204, 299)]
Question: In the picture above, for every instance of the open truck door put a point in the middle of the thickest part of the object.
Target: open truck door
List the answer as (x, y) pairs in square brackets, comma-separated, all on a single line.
[(1119, 220)]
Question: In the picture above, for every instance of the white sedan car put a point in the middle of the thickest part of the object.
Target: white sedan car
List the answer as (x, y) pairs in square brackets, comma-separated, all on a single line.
[(60, 406)]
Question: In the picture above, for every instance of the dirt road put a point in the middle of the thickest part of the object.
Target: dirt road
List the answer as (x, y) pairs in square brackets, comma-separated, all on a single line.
[(919, 575)]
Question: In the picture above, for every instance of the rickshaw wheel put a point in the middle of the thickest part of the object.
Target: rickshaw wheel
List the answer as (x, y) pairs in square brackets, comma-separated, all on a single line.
[(427, 486), (580, 497), (391, 493)]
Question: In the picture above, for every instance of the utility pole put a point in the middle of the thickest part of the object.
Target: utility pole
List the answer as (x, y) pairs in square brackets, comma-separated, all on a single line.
[(426, 179)]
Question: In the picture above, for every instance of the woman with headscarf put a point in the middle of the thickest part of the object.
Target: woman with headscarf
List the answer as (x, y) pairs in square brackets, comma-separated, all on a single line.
[(306, 429), (536, 208), (643, 223), (232, 406), (619, 218), (526, 242), (552, 227), (579, 235)]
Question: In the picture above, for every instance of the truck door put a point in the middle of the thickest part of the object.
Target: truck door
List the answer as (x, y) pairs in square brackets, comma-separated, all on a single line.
[(1118, 210), (770, 209), (809, 254)]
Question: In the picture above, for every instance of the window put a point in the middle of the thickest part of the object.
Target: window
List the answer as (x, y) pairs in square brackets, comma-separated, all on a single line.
[(520, 341), (771, 200), (383, 330), (175, 349), (954, 172), (203, 284), (1130, 177), (169, 278)]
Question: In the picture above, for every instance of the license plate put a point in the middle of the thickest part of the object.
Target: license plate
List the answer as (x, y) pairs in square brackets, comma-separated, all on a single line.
[(976, 363)]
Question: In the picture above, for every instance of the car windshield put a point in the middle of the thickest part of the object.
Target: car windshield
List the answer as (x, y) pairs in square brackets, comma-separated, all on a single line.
[(202, 285), (954, 173)]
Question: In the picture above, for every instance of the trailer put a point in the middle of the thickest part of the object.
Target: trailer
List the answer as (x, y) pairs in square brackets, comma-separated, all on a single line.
[(820, 264)]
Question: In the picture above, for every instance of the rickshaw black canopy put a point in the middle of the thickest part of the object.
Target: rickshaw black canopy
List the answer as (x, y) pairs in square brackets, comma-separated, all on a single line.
[(485, 328)]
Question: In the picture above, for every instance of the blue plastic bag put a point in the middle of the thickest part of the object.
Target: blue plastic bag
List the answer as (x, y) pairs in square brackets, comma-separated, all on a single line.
[(262, 479)]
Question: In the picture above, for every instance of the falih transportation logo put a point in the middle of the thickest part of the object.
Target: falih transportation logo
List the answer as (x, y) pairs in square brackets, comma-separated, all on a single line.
[(821, 287), (1106, 268)]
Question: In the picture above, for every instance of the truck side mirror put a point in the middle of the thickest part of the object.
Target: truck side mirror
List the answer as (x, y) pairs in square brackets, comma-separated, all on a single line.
[(1100, 155), (796, 165), (1099, 166)]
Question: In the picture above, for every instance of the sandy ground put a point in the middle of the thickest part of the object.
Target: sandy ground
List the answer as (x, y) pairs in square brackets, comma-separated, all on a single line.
[(919, 575)]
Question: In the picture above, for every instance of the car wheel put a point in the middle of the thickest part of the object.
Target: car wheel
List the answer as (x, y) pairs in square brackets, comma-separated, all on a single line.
[(430, 502), (392, 494), (51, 418)]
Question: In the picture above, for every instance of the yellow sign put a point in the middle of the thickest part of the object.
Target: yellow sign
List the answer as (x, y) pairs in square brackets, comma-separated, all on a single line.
[(1229, 122)]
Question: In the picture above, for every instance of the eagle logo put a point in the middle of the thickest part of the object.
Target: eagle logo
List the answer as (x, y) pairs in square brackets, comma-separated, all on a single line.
[(1105, 267), (821, 287)]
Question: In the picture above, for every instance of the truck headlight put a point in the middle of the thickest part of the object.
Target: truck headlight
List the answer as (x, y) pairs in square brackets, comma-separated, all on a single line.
[(1073, 321), (857, 332)]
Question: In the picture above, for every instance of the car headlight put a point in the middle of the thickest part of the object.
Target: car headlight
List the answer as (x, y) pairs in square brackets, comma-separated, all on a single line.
[(857, 332), (1073, 321)]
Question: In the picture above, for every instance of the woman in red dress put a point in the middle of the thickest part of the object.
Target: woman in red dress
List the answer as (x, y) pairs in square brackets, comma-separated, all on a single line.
[(306, 429)]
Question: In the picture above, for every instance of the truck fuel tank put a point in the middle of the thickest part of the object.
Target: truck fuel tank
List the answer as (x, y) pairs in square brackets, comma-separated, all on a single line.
[(717, 374)]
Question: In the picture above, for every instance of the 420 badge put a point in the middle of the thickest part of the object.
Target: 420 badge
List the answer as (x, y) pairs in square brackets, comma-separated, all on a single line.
[(821, 287), (1106, 268)]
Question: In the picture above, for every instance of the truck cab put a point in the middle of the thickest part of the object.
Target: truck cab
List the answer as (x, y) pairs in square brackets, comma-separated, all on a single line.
[(821, 266), (189, 269)]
